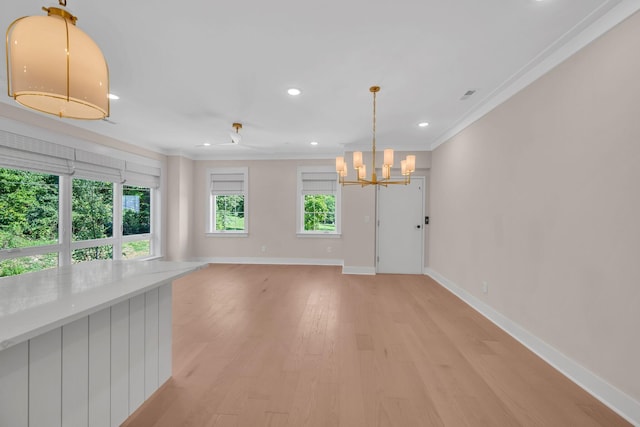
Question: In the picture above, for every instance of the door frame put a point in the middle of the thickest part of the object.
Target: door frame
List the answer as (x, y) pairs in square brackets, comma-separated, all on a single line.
[(423, 180)]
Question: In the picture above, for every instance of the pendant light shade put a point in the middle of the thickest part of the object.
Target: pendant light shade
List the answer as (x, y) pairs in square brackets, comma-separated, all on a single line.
[(54, 67)]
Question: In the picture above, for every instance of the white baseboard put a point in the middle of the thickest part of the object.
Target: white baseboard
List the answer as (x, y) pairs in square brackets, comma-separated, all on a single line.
[(271, 261), (614, 398), (368, 271), (288, 261)]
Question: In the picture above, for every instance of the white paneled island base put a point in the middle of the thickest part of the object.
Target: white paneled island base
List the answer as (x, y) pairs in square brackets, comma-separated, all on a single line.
[(85, 345)]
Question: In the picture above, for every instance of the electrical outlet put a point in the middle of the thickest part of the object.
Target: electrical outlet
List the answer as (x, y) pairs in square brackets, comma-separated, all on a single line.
[(329, 249), (263, 248), (485, 287)]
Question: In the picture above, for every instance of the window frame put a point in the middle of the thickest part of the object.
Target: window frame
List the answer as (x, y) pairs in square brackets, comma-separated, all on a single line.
[(141, 236), (142, 176), (300, 231), (210, 214)]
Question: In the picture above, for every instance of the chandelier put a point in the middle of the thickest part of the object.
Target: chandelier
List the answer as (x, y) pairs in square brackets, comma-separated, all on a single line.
[(55, 68), (407, 166)]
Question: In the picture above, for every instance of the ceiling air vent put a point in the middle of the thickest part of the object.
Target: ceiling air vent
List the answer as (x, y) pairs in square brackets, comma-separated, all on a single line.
[(467, 94)]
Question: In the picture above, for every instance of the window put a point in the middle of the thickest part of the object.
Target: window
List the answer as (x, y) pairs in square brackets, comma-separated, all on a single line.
[(92, 209), (28, 209), (136, 222), (92, 218), (227, 207), (318, 201), (28, 221), (26, 264), (61, 205)]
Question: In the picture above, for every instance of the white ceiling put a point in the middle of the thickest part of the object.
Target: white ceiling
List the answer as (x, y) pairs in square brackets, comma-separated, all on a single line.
[(185, 71)]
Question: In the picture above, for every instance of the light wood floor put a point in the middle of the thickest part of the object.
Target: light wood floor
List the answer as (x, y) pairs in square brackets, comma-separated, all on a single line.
[(307, 346)]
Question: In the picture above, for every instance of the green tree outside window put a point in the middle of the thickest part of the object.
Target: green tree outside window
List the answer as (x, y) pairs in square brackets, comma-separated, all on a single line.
[(319, 212), (230, 212)]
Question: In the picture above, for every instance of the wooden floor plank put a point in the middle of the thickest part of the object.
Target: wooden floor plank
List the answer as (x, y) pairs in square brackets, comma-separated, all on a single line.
[(258, 345)]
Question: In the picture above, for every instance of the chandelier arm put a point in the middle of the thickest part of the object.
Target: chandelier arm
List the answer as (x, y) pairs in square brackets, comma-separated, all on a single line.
[(365, 182)]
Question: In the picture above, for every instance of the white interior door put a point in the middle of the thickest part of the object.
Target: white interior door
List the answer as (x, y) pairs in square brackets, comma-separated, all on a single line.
[(401, 228)]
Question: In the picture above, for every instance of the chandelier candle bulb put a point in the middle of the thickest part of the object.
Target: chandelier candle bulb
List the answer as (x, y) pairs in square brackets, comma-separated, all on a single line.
[(411, 163), (357, 159), (388, 157), (341, 167), (403, 167), (386, 171), (362, 172)]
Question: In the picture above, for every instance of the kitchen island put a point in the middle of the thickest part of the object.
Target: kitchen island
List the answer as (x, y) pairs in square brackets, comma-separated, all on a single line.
[(87, 344)]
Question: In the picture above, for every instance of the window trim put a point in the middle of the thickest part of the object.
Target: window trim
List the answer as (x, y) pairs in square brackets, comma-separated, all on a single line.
[(48, 152), (118, 238), (300, 231), (66, 245), (150, 236), (209, 225)]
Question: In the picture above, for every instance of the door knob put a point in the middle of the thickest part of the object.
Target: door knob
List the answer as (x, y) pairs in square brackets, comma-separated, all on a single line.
[(418, 226)]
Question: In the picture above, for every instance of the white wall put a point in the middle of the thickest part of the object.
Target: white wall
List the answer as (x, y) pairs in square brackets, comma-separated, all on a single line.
[(271, 217), (179, 209), (50, 128), (541, 199), (359, 214)]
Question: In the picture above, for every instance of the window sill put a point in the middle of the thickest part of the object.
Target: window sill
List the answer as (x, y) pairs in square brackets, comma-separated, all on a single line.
[(227, 234), (147, 258), (319, 235)]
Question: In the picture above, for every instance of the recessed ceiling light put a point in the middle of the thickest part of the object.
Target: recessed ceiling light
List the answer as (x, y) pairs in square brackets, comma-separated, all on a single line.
[(423, 124), (206, 144), (294, 92), (314, 142), (113, 96)]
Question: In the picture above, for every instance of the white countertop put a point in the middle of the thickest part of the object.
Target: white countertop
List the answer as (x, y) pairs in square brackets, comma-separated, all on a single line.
[(34, 303)]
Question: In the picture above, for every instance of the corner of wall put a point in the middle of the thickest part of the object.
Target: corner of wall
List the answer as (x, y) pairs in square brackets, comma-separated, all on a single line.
[(611, 396)]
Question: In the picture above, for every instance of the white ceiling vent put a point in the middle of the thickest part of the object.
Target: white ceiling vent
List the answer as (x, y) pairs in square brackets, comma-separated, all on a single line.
[(467, 94)]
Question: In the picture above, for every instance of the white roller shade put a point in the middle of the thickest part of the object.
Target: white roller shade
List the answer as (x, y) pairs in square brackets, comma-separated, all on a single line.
[(319, 182), (227, 183), (142, 175), (23, 152)]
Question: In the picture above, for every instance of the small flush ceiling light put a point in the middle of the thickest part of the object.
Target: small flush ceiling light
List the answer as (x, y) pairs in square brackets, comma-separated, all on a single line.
[(314, 142), (207, 144), (236, 137), (113, 96), (55, 68), (294, 92), (423, 124)]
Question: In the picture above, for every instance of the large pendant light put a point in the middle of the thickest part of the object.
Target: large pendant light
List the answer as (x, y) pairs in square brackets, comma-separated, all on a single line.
[(407, 166), (54, 67)]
